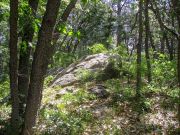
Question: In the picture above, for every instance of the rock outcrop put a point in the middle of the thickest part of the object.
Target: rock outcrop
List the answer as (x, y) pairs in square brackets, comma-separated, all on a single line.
[(99, 90), (94, 63)]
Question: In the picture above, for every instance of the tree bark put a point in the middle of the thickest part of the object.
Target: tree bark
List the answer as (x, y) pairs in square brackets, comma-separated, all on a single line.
[(152, 41), (13, 66), (147, 29), (176, 6), (173, 39), (42, 56), (24, 58), (41, 59), (1, 65), (119, 23), (139, 46), (162, 40)]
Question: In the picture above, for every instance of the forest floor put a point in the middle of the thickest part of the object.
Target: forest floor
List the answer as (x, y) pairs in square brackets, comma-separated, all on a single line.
[(84, 102), (120, 113)]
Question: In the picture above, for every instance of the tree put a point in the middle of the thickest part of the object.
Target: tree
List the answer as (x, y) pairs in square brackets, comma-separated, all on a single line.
[(42, 55), (119, 27), (13, 66), (41, 58), (147, 30), (139, 46), (24, 55), (164, 39), (176, 6)]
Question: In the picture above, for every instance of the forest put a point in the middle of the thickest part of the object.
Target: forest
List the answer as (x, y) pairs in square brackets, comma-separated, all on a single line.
[(89, 67)]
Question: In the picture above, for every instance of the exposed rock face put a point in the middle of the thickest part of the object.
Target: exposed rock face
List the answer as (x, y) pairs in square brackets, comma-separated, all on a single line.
[(100, 91), (94, 63)]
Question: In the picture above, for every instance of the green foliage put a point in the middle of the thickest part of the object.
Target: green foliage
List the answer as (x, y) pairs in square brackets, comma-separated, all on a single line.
[(5, 109), (84, 1), (62, 28), (86, 75), (4, 8), (77, 98), (5, 112), (164, 71), (121, 50), (92, 24), (27, 21), (48, 80), (70, 123), (23, 47), (174, 94), (69, 31), (112, 70), (126, 64), (4, 89), (97, 48), (117, 87), (67, 116), (63, 59)]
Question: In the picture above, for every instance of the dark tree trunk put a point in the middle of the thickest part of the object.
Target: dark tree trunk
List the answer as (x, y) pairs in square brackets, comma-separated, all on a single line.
[(13, 66), (152, 44), (119, 28), (176, 6), (162, 40), (41, 59), (178, 70), (42, 56), (139, 46), (173, 39), (147, 40), (1, 65), (24, 58), (170, 49)]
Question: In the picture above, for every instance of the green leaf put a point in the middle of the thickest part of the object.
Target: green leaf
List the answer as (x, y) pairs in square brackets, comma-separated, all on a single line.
[(84, 1), (63, 29), (70, 33)]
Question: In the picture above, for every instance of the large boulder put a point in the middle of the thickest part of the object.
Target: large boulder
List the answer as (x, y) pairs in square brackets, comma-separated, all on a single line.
[(95, 63)]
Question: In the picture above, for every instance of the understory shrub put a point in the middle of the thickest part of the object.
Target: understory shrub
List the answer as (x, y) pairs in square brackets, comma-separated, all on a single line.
[(97, 48)]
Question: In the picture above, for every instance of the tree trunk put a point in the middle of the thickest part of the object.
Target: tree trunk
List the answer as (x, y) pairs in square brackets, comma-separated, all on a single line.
[(176, 6), (1, 65), (119, 27), (42, 56), (147, 40), (24, 59), (170, 49), (13, 66), (178, 70), (173, 39), (138, 84), (41, 59), (152, 44)]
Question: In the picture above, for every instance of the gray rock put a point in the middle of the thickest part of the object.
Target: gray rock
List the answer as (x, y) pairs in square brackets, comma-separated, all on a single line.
[(95, 63), (66, 80), (100, 91)]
